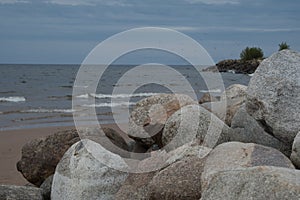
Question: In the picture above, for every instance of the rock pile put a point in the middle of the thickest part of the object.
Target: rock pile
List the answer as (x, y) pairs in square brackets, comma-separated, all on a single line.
[(251, 153)]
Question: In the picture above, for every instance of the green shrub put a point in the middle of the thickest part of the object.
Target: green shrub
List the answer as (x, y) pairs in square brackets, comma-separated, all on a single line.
[(283, 46), (251, 53)]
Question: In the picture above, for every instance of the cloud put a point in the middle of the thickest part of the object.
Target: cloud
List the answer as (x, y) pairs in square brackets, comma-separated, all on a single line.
[(89, 2), (232, 29), (12, 1), (214, 2)]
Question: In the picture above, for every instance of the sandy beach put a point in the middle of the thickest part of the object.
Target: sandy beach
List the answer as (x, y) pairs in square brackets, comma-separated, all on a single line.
[(11, 143)]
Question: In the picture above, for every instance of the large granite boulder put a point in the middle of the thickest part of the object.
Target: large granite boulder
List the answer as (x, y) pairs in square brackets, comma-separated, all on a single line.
[(112, 140), (236, 155), (135, 187), (262, 182), (193, 122), (181, 180), (82, 173), (233, 97), (246, 129), (234, 91), (9, 192), (295, 156), (273, 95), (40, 156), (149, 116), (161, 158)]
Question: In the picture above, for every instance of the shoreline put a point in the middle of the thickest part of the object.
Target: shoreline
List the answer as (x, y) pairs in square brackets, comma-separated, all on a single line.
[(11, 143)]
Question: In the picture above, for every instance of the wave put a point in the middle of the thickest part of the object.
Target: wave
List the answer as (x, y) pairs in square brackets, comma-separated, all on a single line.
[(211, 91), (12, 99), (48, 111), (116, 96), (100, 105)]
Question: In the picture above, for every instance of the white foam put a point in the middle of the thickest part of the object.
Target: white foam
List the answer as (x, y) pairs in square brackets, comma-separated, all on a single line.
[(251, 75), (48, 111), (100, 105), (116, 96), (12, 99), (211, 91), (231, 71)]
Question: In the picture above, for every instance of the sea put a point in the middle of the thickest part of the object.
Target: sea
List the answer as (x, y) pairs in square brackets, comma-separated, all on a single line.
[(34, 96)]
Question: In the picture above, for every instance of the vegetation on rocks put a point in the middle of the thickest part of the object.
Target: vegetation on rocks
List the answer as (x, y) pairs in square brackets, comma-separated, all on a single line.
[(251, 53)]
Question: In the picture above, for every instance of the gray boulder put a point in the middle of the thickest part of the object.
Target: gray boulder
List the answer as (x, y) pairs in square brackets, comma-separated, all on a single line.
[(193, 122), (135, 187), (258, 183), (246, 129), (295, 156), (273, 95), (40, 156), (233, 97), (181, 180), (83, 173), (236, 155), (234, 91), (46, 188), (10, 192), (149, 116)]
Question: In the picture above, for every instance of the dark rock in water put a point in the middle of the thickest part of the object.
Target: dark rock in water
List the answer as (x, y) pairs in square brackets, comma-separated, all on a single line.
[(295, 157), (83, 173), (11, 192), (40, 156), (238, 66), (236, 155), (181, 180), (273, 95), (46, 188), (135, 187), (262, 182), (149, 116), (207, 97)]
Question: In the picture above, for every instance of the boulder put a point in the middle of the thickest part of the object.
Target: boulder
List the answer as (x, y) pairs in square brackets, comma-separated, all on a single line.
[(46, 188), (181, 180), (235, 91), (246, 129), (295, 156), (236, 155), (149, 116), (20, 192), (161, 159), (207, 97), (40, 156), (83, 173), (233, 97), (193, 122), (114, 141), (273, 95), (262, 182), (135, 187)]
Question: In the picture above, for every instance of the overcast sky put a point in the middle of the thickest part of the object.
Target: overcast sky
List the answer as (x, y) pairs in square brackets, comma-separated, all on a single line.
[(65, 31)]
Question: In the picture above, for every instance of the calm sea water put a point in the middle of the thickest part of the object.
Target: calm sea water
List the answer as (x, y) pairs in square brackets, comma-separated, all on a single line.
[(41, 95)]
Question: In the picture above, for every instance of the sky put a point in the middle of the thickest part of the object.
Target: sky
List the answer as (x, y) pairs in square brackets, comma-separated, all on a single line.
[(65, 31)]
